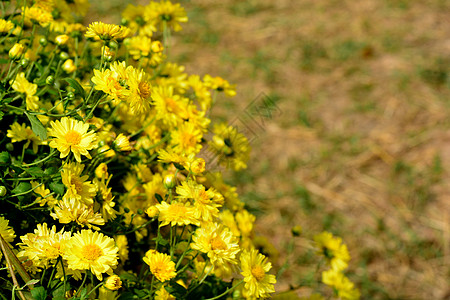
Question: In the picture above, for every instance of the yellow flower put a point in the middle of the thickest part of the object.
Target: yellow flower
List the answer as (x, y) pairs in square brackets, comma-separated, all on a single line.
[(102, 171), (71, 210), (107, 81), (164, 12), (122, 143), (122, 243), (206, 202), (88, 250), (231, 147), (176, 214), (5, 26), (62, 39), (219, 84), (106, 32), (6, 231), (217, 242), (140, 91), (113, 283), (254, 267), (72, 135), (78, 187), (160, 265), (22, 85), (46, 196), (170, 109), (69, 66), (37, 14), (245, 222), (43, 246), (163, 294), (334, 251), (19, 133), (344, 288), (134, 15), (186, 138)]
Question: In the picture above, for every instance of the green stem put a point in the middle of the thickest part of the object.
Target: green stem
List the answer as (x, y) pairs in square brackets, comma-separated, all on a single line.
[(96, 287), (40, 161), (227, 291)]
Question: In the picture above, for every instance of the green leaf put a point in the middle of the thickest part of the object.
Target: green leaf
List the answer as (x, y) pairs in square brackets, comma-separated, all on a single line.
[(57, 187), (39, 293), (1, 113), (35, 171), (37, 126), (5, 158), (159, 198), (76, 86)]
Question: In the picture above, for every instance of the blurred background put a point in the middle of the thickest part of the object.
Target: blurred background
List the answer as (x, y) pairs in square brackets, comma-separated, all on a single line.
[(356, 140)]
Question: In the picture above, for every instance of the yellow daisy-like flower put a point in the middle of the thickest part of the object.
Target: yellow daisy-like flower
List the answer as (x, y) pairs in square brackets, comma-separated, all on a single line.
[(88, 250), (206, 202), (37, 14), (113, 283), (171, 109), (254, 267), (341, 284), (19, 133), (6, 231), (122, 143), (187, 138), (106, 80), (158, 13), (77, 185), (72, 135), (217, 242), (231, 147), (219, 84), (334, 251), (161, 266), (43, 246), (106, 32), (140, 91), (22, 85), (72, 210), (176, 214), (5, 25), (245, 222), (45, 196), (163, 294)]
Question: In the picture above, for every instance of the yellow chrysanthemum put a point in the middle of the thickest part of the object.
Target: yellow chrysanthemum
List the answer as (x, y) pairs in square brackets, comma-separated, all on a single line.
[(245, 222), (78, 187), (206, 202), (107, 81), (139, 98), (171, 109), (43, 246), (88, 250), (19, 133), (187, 138), (72, 210), (254, 267), (344, 288), (176, 214), (219, 84), (164, 12), (161, 266), (6, 231), (22, 85), (334, 251), (72, 135), (231, 147), (163, 294), (106, 32), (5, 25), (217, 242), (113, 283), (37, 14), (45, 196)]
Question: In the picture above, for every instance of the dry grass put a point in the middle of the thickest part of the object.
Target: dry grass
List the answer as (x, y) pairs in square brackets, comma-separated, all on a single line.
[(362, 146)]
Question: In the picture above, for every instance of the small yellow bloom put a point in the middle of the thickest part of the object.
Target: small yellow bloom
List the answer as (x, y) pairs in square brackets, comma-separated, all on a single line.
[(113, 283), (102, 171), (16, 51), (5, 26), (254, 267), (122, 143), (160, 265), (6, 231), (70, 135), (62, 39), (106, 32), (69, 66)]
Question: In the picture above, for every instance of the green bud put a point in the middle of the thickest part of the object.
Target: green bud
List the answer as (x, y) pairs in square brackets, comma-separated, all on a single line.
[(113, 45), (24, 62), (10, 147), (43, 41), (70, 95), (50, 80), (170, 181), (2, 191), (64, 56)]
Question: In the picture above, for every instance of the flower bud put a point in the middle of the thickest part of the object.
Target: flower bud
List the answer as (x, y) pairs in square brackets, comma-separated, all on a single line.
[(16, 51), (62, 39), (296, 230), (43, 41), (69, 66), (157, 47), (101, 171), (24, 62), (152, 211), (122, 143), (64, 56), (2, 191), (170, 181), (50, 80), (113, 283)]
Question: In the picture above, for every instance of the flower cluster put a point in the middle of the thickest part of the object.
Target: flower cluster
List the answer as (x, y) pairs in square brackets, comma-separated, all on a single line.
[(103, 186)]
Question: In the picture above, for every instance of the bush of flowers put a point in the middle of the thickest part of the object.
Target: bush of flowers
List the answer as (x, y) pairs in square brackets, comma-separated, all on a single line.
[(104, 191)]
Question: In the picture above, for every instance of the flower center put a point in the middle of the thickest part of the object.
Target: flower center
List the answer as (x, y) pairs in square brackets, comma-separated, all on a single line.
[(144, 90), (72, 137), (91, 252), (258, 273), (78, 185), (218, 244)]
